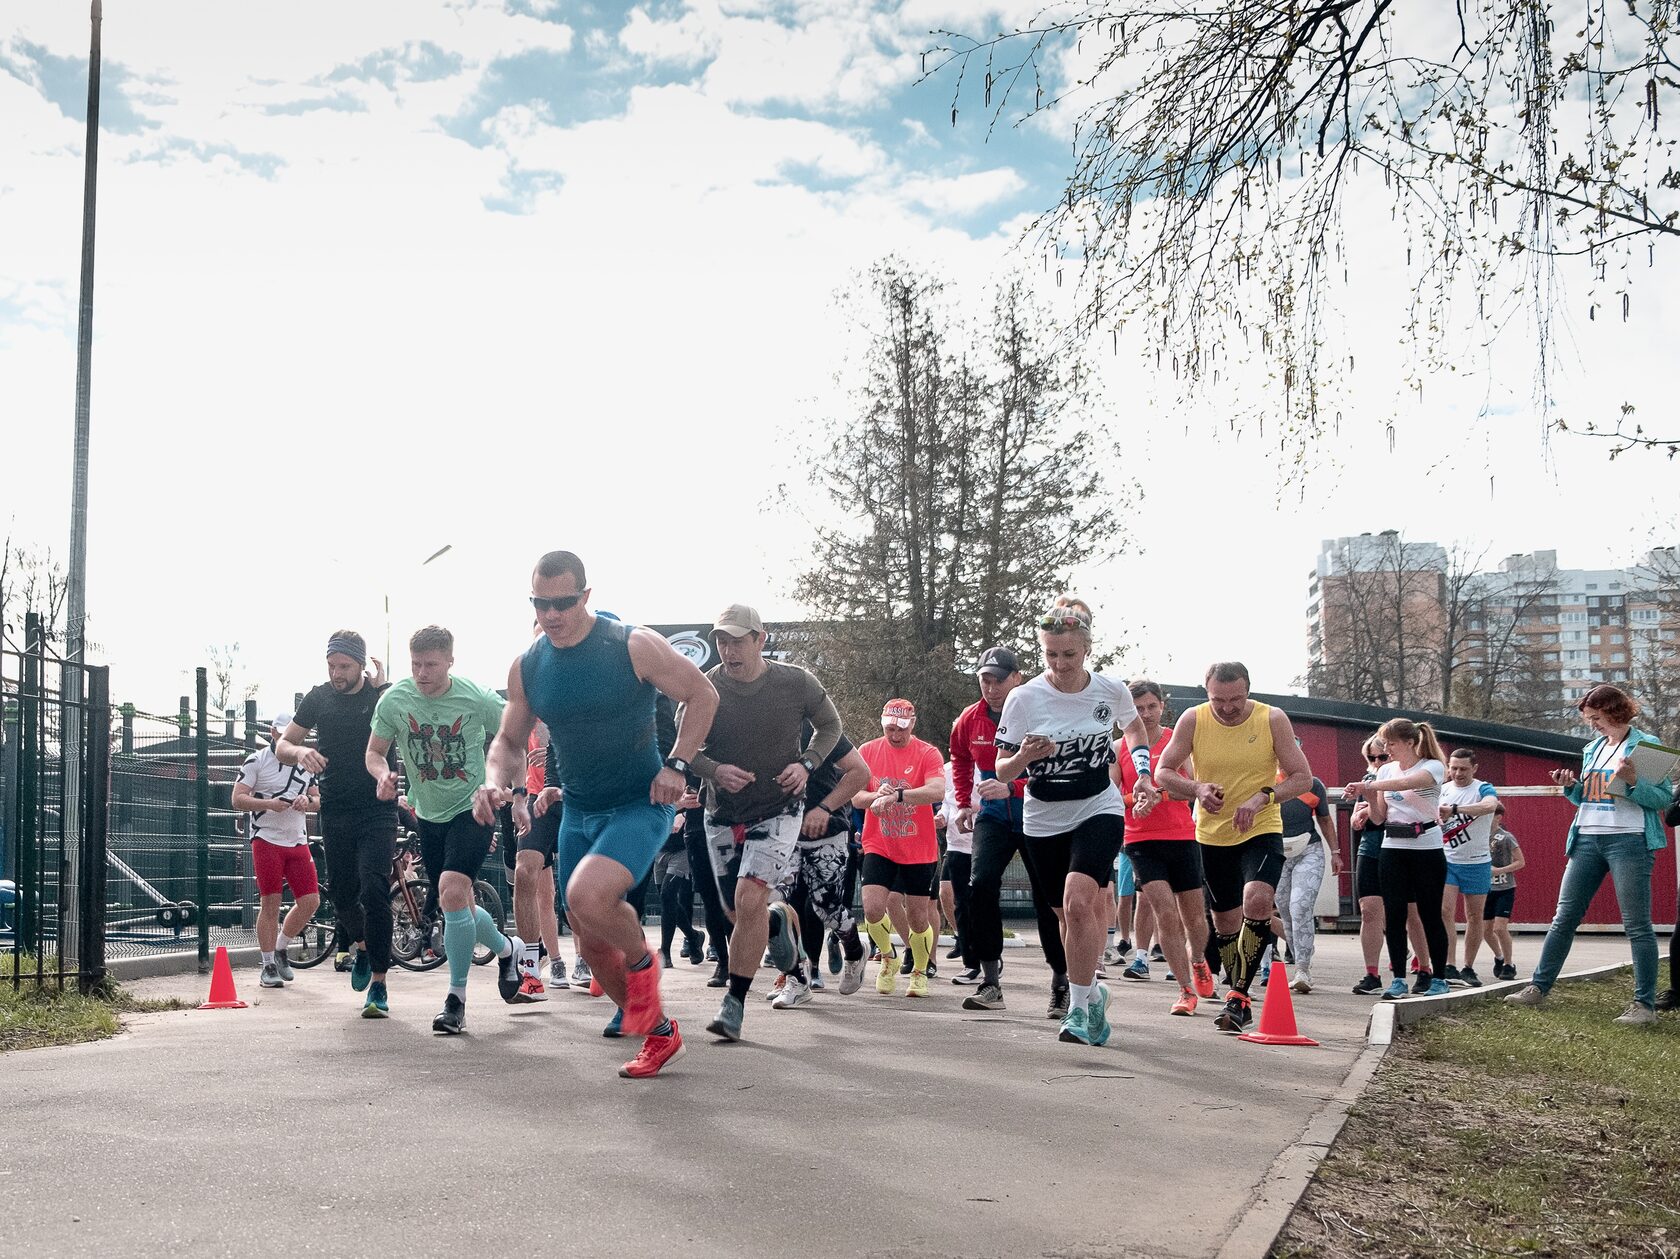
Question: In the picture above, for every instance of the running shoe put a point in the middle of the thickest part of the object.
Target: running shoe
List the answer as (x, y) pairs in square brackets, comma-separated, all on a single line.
[(1368, 983), (886, 978), (1666, 999), (378, 1004), (615, 1025), (720, 976), (818, 983), (835, 961), (283, 964), (1451, 976), (1531, 994), (655, 1053), (1303, 982), (1438, 988), (452, 1019), (1074, 1028), (1265, 974), (955, 953), (918, 984), (595, 989), (342, 961), (1058, 1003), (793, 993), (1155, 954), (1202, 975), (557, 975), (989, 997), (851, 977), (530, 990), (1122, 947), (642, 1011), (727, 1024), (1237, 1015), (1638, 1014), (1111, 956), (784, 950), (1420, 983), (711, 953), (694, 948), (1416, 966), (1186, 1003), (665, 959), (1139, 969), (1097, 1027), (1397, 991), (906, 963), (361, 971), (1469, 978), (776, 988), (968, 978), (582, 976), (270, 977), (932, 969), (509, 982)]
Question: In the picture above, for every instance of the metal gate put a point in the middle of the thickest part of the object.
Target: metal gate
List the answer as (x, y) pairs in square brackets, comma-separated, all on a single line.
[(55, 770)]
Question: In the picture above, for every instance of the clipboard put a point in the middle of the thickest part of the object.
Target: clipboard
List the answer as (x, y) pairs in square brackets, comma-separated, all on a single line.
[(1654, 761)]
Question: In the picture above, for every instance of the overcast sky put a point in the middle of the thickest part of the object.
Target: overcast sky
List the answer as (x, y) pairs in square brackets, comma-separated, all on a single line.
[(377, 278)]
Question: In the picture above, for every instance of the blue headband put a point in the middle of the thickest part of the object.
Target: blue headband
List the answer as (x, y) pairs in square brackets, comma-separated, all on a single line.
[(347, 647)]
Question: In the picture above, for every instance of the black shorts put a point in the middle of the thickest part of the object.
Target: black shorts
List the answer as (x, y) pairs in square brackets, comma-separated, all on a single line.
[(460, 844), (1500, 902), (1089, 849), (1367, 879), (1226, 870), (959, 867), (1175, 862), (912, 880)]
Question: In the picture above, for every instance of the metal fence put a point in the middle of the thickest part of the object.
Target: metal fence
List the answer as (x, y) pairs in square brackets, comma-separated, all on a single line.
[(55, 745)]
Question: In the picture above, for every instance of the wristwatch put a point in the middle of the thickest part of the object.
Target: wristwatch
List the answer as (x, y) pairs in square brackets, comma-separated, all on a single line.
[(519, 791), (677, 763), (810, 767), (1269, 792)]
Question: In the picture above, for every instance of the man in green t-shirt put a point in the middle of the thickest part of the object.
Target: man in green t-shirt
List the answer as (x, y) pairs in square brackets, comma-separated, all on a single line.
[(440, 726)]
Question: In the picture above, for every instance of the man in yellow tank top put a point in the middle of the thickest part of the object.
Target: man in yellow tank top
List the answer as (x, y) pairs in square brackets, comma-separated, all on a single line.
[(1244, 761)]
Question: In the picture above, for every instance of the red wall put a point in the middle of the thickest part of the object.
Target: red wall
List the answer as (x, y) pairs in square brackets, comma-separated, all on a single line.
[(1541, 824)]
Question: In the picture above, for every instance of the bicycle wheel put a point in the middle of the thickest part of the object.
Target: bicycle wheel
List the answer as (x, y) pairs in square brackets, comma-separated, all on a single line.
[(411, 946), (315, 944), (486, 897)]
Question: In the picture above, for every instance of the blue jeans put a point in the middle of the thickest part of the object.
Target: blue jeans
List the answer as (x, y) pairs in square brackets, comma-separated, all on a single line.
[(1628, 862)]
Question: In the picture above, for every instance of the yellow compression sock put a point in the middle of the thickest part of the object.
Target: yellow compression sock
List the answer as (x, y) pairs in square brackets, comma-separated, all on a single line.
[(882, 935), (921, 946)]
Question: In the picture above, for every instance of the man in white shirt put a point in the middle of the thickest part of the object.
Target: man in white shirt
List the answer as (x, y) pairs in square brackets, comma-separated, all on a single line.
[(1467, 808), (276, 797)]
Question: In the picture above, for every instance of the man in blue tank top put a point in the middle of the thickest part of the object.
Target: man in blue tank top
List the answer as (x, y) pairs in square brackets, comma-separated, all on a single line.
[(594, 683)]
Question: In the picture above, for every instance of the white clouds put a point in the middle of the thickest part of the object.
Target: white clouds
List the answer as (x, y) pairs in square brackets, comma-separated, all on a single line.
[(964, 194)]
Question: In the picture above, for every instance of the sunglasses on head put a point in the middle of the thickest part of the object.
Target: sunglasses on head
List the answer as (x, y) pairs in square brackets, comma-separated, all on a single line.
[(1063, 616), (563, 604)]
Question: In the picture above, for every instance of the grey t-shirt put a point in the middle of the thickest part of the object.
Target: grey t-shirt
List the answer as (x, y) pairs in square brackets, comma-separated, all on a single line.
[(1503, 848), (760, 728)]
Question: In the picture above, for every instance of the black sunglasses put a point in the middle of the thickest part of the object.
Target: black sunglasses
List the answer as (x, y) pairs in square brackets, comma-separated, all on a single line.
[(563, 604), (1382, 757)]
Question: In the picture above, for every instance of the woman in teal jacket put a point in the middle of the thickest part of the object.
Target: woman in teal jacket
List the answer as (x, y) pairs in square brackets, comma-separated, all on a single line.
[(1617, 830)]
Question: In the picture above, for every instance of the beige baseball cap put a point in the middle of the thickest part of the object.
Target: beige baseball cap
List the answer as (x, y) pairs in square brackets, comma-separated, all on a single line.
[(738, 620)]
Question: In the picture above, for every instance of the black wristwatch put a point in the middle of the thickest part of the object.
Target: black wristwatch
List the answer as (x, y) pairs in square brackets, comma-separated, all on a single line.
[(677, 763), (1269, 792), (520, 791), (809, 767)]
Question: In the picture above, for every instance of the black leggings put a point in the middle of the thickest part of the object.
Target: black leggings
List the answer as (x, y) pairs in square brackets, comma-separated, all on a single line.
[(359, 851), (1414, 877), (959, 869), (676, 909), (995, 842), (711, 899)]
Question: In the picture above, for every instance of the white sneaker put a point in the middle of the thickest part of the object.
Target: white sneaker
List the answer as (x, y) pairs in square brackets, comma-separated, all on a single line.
[(557, 974), (796, 993), (1636, 1015), (581, 974), (1529, 994), (271, 977), (851, 976), (1303, 982), (1112, 956), (283, 965)]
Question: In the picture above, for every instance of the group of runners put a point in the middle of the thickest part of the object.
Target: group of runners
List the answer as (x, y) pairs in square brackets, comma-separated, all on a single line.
[(612, 751)]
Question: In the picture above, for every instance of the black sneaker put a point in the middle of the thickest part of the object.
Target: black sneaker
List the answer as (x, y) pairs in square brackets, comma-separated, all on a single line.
[(507, 971), (989, 997), (1236, 1016), (836, 963), (1452, 976), (694, 948), (955, 953), (1468, 977), (720, 975), (908, 964), (1666, 1000), (452, 1019), (1420, 983), (1155, 954), (932, 971), (1058, 1004), (1370, 983), (969, 978)]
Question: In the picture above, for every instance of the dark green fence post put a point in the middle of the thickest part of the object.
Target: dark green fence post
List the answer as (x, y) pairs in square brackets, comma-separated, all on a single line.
[(202, 774), (96, 807), (29, 770)]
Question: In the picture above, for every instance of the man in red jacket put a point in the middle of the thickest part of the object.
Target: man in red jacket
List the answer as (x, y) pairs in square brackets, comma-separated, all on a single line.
[(992, 810)]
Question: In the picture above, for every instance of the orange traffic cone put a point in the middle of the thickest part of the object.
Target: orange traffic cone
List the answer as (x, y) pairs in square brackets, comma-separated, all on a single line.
[(1277, 1014), (222, 995)]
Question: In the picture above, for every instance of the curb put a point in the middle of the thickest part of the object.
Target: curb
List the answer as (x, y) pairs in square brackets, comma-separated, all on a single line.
[(1292, 1171), (173, 964)]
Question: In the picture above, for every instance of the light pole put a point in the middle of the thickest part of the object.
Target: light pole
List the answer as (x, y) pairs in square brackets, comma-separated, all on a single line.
[(442, 550)]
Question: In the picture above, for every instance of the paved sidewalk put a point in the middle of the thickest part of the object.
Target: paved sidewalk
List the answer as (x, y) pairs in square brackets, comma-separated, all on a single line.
[(857, 1125)]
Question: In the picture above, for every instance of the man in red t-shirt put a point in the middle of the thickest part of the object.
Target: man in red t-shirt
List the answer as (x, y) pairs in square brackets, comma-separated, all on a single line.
[(1167, 862), (900, 843)]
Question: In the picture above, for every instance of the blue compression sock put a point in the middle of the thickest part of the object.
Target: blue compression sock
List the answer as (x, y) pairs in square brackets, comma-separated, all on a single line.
[(487, 934), (459, 936)]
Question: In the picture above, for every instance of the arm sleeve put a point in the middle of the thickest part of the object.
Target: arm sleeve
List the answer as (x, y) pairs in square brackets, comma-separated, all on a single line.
[(825, 720), (962, 763)]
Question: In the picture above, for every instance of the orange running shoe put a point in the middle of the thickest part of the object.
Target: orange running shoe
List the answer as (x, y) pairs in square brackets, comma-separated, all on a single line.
[(531, 989), (1204, 978), (1186, 1003), (642, 1012), (656, 1052)]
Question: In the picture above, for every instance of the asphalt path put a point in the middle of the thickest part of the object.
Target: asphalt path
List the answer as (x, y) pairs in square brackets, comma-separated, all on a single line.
[(855, 1125)]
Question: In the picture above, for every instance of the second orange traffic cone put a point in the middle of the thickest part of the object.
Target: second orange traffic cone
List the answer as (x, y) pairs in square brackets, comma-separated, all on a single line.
[(1277, 1014), (222, 995)]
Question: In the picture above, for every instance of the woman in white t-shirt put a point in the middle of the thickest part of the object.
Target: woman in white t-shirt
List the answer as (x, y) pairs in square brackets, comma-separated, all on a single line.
[(1405, 801), (1059, 730), (1617, 830), (954, 878)]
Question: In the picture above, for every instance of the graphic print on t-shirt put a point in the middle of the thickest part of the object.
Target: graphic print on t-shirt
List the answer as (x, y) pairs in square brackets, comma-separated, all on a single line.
[(436, 752)]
